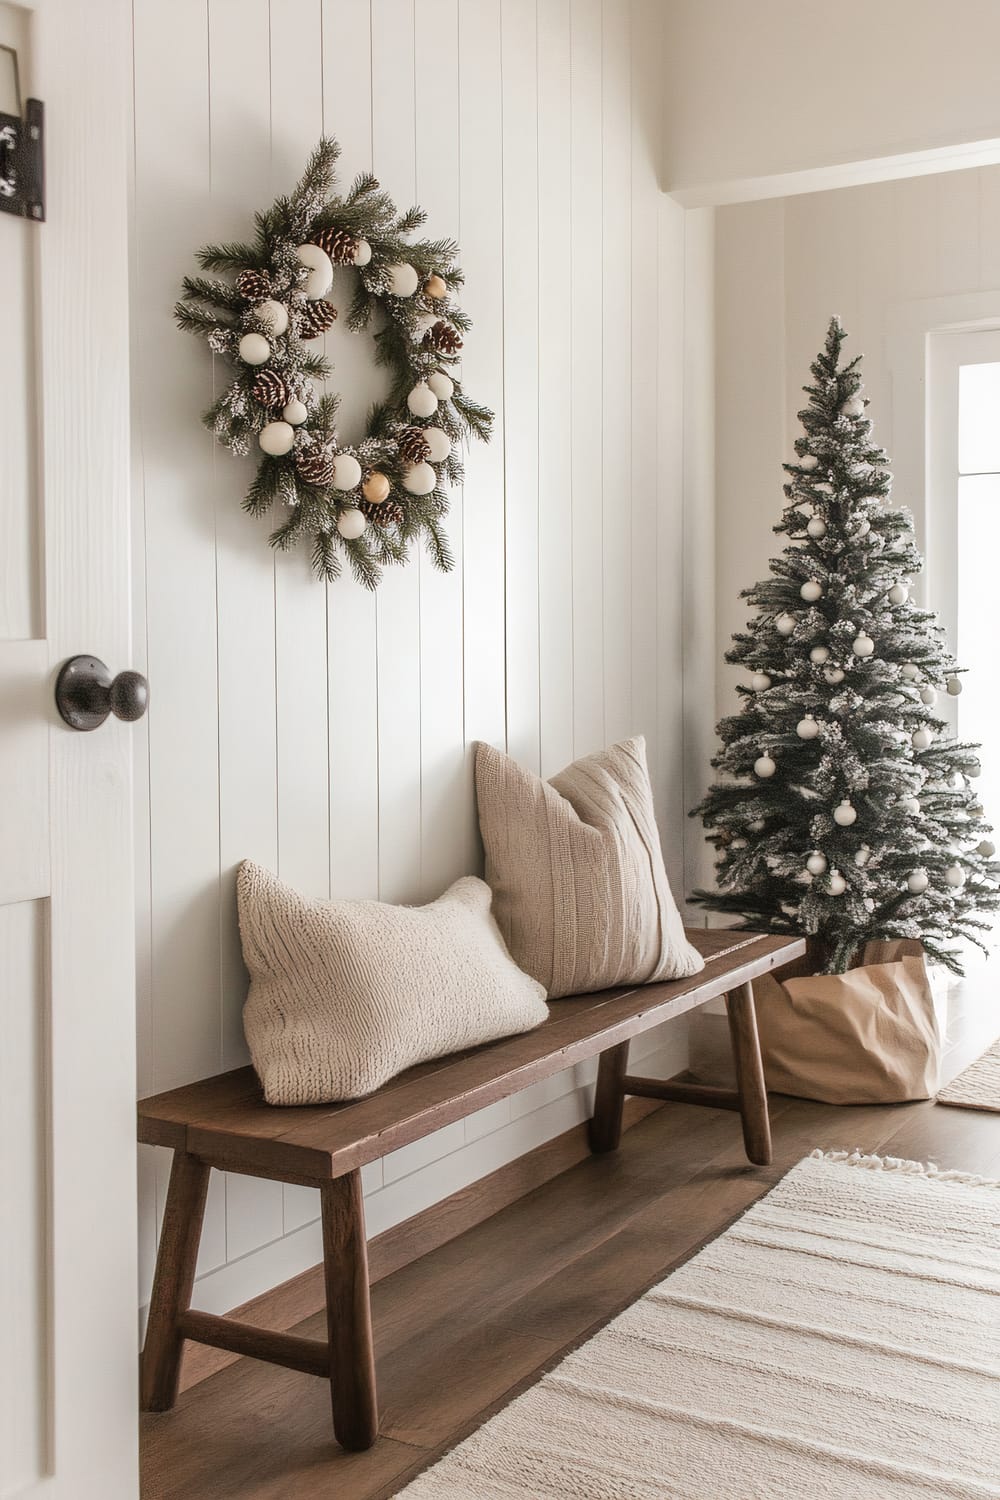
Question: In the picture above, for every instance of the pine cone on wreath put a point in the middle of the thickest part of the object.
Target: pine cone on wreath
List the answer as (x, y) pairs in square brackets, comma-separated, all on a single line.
[(269, 390), (443, 338), (413, 446), (315, 465), (389, 513), (316, 318), (339, 244), (254, 285)]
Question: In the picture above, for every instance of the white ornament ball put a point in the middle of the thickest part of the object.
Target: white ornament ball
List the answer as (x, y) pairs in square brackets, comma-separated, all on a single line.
[(862, 528), (807, 728), (954, 876), (320, 266), (760, 682), (899, 593), (403, 280), (853, 407), (785, 624), (975, 769), (928, 695), (764, 766), (863, 645), (295, 412), (922, 739), (419, 479), (824, 487), (277, 438), (910, 671), (254, 349), (439, 444), (274, 315), (811, 590), (954, 686), (758, 825), (838, 885), (833, 675), (422, 401), (819, 654), (910, 805), (362, 253), (862, 856), (809, 461), (351, 523), (975, 809), (442, 385), (816, 528), (422, 323), (845, 814), (917, 881), (987, 848), (346, 472), (816, 863)]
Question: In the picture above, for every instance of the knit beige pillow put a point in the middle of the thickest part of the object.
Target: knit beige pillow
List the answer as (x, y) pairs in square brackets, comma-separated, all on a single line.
[(579, 889), (346, 994)]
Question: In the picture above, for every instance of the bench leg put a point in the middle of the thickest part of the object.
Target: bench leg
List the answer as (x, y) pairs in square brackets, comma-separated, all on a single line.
[(749, 1074), (160, 1365), (609, 1100), (348, 1313)]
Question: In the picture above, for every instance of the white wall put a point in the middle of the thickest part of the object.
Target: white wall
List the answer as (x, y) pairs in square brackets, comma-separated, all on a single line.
[(326, 732), (893, 260), (778, 88)]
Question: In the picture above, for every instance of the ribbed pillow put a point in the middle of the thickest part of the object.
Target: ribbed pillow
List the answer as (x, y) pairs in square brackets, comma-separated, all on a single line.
[(579, 888), (346, 994)]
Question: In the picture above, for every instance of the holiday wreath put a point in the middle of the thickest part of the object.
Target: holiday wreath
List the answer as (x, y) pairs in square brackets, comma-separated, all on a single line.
[(369, 499)]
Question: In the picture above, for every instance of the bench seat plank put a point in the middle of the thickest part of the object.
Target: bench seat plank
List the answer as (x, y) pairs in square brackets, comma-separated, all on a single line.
[(224, 1122)]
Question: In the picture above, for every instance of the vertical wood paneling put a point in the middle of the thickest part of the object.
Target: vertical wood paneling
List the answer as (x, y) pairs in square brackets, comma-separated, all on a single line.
[(554, 264), (398, 603), (587, 342), (519, 106)]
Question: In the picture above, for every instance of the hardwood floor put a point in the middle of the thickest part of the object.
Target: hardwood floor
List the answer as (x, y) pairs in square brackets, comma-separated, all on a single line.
[(460, 1331)]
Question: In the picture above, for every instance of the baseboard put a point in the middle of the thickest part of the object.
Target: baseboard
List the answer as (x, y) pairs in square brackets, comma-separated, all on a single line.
[(287, 1304)]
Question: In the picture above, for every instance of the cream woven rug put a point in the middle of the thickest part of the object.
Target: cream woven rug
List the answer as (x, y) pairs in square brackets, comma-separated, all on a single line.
[(840, 1342), (979, 1086)]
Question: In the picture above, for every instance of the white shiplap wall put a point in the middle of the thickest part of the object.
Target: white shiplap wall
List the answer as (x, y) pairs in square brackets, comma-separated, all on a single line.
[(326, 732)]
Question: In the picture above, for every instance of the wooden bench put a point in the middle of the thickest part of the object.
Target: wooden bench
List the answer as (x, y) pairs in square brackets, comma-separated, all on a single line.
[(223, 1122)]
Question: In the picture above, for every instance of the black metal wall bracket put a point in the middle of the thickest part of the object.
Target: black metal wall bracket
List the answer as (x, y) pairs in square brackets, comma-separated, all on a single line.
[(22, 156)]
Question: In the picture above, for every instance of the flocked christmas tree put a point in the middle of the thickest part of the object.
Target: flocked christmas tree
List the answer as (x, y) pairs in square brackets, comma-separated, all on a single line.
[(847, 810)]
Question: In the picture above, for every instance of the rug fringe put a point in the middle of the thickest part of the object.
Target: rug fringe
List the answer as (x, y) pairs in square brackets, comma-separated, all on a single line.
[(858, 1158)]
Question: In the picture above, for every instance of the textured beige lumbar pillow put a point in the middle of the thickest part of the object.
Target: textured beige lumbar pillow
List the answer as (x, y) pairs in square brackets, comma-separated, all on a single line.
[(346, 994), (579, 888)]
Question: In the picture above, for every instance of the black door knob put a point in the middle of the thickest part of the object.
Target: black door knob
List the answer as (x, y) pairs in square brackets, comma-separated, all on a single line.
[(86, 693)]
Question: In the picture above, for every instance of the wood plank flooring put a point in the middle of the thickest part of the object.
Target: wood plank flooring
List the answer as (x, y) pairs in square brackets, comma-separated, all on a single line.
[(462, 1330)]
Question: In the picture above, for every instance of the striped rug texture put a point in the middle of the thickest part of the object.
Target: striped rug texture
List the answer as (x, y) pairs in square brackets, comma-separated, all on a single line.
[(840, 1342), (979, 1086)]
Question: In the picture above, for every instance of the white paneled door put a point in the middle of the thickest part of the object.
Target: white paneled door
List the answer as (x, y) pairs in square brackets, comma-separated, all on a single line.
[(67, 1212)]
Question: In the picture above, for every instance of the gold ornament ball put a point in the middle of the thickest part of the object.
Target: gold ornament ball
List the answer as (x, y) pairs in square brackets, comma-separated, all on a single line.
[(435, 287), (376, 488)]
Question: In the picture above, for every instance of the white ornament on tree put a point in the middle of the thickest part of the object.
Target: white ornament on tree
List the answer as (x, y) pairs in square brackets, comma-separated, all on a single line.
[(845, 814), (816, 863), (403, 280), (928, 695), (852, 407), (760, 682), (987, 848), (277, 438), (320, 268), (863, 645), (419, 479), (441, 384), (254, 349), (816, 528), (362, 253), (975, 809), (923, 738), (917, 881), (910, 671), (422, 401), (974, 769), (295, 412), (764, 766), (954, 875), (346, 472), (785, 624), (833, 675), (910, 805), (811, 590), (809, 461), (898, 594), (422, 324), (819, 654), (438, 444), (954, 686), (807, 728), (838, 885), (350, 524), (863, 855), (274, 315)]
